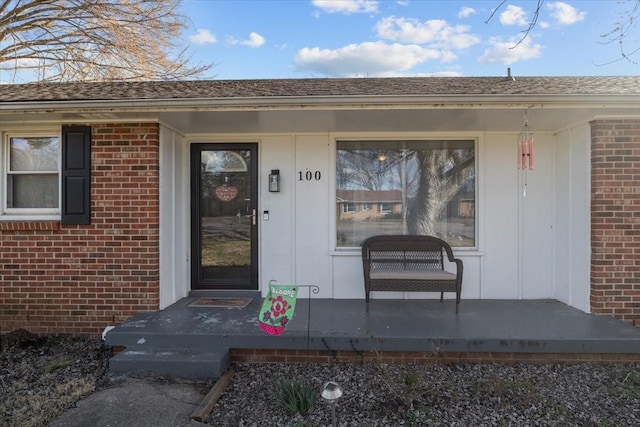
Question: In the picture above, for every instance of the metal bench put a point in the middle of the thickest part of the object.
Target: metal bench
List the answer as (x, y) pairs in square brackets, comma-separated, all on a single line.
[(409, 264)]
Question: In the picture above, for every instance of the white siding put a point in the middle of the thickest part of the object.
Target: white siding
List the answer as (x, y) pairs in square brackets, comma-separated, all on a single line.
[(276, 251), (499, 210), (572, 217), (536, 223), (531, 247), (174, 218), (312, 206)]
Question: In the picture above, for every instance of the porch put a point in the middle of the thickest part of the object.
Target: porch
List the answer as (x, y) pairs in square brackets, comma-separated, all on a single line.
[(190, 341)]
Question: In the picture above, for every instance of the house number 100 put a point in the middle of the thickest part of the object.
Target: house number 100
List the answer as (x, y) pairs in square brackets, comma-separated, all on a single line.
[(309, 176)]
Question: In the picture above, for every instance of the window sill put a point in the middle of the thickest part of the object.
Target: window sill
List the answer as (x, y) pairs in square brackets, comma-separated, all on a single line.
[(459, 253), (29, 225)]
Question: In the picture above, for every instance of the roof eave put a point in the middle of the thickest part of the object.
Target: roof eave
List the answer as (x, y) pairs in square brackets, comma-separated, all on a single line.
[(500, 101)]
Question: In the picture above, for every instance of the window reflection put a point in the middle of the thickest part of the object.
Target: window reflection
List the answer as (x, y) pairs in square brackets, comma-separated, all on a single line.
[(424, 187)]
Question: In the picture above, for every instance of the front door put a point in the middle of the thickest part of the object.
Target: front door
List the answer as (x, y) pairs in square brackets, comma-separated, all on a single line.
[(224, 195)]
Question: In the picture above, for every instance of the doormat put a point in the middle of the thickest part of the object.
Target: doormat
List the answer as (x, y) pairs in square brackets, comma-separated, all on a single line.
[(221, 302)]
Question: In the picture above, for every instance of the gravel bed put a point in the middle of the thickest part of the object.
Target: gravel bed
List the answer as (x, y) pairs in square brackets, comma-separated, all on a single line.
[(41, 377), (439, 395)]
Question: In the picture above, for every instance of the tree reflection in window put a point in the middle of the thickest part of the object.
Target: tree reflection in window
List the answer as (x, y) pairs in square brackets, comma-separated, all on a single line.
[(424, 187)]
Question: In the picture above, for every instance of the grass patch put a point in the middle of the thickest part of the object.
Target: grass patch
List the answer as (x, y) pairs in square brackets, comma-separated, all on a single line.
[(629, 387), (294, 396), (35, 410), (220, 253), (59, 363)]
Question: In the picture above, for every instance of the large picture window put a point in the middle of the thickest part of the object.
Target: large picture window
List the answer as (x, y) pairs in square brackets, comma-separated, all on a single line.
[(422, 187), (32, 173)]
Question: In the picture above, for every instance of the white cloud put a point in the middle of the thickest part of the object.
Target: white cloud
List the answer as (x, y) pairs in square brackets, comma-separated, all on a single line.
[(447, 56), (367, 59), (504, 52), (565, 14), (23, 70), (514, 15), (447, 74), (435, 32), (202, 37), (11, 64), (403, 2), (466, 12), (255, 40), (347, 6)]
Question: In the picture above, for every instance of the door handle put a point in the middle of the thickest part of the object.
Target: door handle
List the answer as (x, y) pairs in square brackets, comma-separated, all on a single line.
[(253, 216)]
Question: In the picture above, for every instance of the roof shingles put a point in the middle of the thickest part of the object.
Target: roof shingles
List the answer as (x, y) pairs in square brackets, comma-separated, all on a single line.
[(400, 86)]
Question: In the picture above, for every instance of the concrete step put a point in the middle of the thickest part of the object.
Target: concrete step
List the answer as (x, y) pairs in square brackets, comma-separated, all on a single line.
[(144, 340), (172, 363)]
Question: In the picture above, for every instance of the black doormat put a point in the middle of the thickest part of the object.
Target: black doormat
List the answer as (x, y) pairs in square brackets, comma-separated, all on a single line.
[(221, 302)]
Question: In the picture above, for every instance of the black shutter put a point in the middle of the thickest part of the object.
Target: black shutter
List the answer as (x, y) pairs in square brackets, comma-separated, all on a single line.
[(76, 175)]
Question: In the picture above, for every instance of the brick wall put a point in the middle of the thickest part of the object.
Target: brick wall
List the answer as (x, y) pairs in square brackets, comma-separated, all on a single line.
[(615, 219), (77, 279)]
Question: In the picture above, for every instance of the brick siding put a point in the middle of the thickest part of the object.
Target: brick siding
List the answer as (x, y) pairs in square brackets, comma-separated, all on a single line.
[(77, 279), (615, 219)]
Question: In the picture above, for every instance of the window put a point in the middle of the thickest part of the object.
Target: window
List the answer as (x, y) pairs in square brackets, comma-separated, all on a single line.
[(46, 175), (424, 187), (348, 207), (386, 207), (31, 173)]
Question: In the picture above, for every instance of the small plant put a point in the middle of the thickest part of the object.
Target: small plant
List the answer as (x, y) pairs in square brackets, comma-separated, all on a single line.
[(404, 383), (295, 397), (629, 388), (60, 363), (417, 418), (632, 378)]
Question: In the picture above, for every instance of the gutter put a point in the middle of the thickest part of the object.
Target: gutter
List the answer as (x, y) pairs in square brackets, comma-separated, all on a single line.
[(326, 103)]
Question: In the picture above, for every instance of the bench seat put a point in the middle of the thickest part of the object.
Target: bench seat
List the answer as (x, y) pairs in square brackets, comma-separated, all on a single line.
[(409, 264), (381, 274)]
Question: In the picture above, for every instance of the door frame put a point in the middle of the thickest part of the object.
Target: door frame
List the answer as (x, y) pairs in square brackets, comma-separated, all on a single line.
[(197, 283)]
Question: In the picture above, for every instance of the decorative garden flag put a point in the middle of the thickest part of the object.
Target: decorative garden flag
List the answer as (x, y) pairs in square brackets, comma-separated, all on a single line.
[(278, 308)]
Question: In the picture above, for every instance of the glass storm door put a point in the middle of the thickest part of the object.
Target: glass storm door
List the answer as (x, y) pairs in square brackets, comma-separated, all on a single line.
[(223, 222)]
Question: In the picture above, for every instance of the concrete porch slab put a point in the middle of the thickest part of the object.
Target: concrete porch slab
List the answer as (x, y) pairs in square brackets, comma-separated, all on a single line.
[(538, 326)]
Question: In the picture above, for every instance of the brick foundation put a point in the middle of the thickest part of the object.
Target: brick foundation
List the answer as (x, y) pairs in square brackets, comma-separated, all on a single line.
[(400, 357), (615, 219), (77, 279)]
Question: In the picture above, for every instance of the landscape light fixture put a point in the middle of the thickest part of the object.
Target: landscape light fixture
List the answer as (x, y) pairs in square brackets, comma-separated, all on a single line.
[(331, 392)]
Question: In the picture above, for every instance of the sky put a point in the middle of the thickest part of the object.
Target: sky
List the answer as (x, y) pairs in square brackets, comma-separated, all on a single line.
[(255, 39)]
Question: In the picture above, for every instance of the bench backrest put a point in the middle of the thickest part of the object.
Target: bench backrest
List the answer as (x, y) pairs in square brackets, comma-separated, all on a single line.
[(399, 252)]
